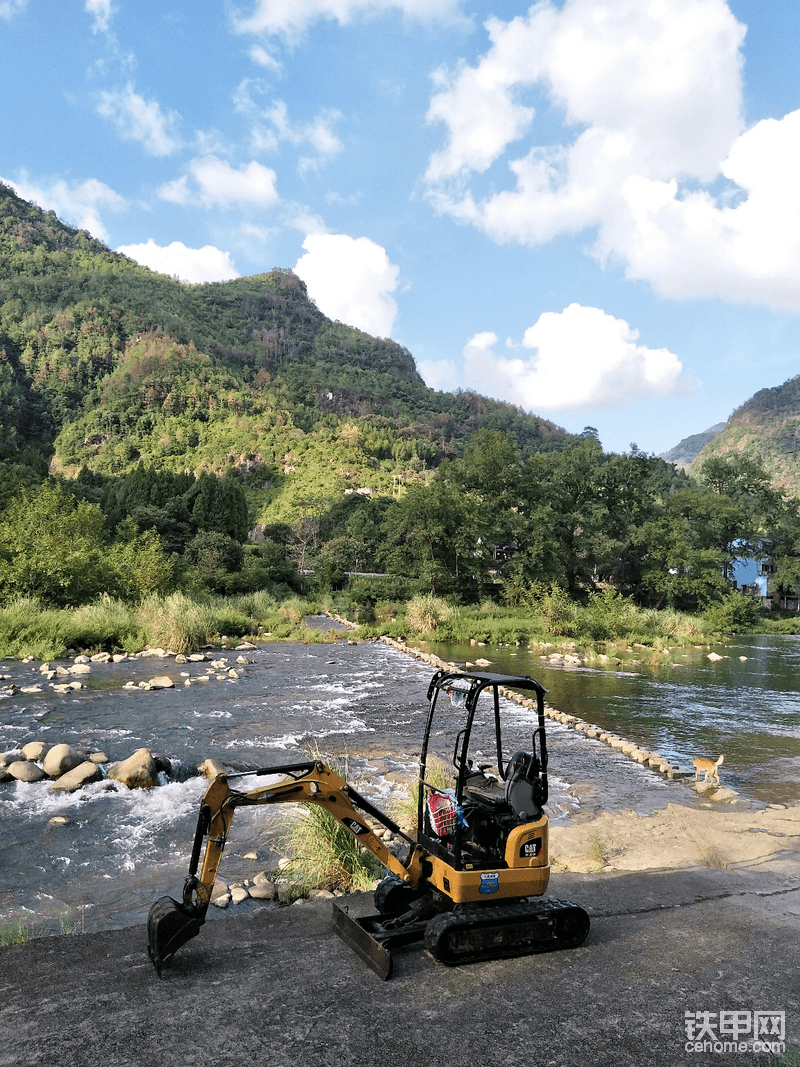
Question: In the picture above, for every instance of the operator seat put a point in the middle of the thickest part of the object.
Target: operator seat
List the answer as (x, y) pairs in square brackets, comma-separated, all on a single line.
[(524, 786)]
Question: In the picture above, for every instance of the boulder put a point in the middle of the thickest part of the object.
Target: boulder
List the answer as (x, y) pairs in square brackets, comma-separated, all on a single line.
[(162, 681), (263, 890), (162, 762), (59, 820), (80, 668), (25, 771), (98, 757), (239, 894), (101, 657), (59, 760), (210, 768), (79, 776), (35, 750), (138, 771)]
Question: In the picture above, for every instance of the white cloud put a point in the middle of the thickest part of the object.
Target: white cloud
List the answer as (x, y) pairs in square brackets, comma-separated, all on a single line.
[(262, 57), (291, 17), (584, 358), (350, 279), (101, 11), (649, 92), (10, 8), (142, 120), (215, 183), (79, 205), (441, 374), (273, 126), (206, 264)]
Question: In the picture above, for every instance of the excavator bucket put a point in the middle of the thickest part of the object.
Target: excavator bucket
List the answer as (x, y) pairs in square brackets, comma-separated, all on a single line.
[(361, 941), (170, 925)]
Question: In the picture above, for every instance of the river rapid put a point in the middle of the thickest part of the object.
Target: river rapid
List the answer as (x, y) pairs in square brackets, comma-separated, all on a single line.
[(364, 702)]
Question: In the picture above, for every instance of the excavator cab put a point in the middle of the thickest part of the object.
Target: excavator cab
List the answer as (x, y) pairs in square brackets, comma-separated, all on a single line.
[(469, 824), (466, 884)]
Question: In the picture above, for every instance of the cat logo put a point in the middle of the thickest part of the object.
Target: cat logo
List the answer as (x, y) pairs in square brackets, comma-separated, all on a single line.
[(530, 848), (490, 883), (356, 827)]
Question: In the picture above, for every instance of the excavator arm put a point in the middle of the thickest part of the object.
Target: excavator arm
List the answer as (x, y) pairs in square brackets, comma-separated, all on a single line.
[(172, 923)]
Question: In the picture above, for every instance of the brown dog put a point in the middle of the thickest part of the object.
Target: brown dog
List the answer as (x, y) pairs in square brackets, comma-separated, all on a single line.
[(710, 769)]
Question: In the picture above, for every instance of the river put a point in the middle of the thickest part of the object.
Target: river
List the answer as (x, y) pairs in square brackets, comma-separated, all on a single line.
[(123, 848)]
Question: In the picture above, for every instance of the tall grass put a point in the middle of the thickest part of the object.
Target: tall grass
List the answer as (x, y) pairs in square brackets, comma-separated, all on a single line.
[(326, 855), (27, 628), (438, 774), (545, 617)]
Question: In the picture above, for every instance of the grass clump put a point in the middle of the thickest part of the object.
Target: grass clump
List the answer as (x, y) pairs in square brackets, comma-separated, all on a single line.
[(325, 855), (424, 613), (16, 933), (596, 854)]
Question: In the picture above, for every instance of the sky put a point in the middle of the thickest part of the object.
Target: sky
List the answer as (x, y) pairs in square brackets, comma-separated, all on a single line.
[(587, 208)]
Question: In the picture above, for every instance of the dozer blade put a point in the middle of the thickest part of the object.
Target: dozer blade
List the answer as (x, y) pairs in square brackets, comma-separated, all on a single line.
[(371, 951), (170, 925)]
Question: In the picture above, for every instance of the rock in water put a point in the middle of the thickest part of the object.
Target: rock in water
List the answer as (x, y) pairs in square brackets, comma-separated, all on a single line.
[(25, 771), (138, 771), (59, 760), (76, 778)]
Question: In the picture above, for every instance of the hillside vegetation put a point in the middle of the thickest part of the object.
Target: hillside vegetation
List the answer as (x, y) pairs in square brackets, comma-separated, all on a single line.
[(104, 364), (179, 459), (766, 428)]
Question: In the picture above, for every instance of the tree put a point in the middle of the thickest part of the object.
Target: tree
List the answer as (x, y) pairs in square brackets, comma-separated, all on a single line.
[(432, 534), (53, 547)]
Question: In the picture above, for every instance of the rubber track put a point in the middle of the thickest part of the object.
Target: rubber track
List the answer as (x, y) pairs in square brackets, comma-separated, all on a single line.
[(480, 932)]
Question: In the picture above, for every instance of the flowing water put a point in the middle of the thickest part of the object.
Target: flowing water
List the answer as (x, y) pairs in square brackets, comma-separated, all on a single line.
[(123, 848)]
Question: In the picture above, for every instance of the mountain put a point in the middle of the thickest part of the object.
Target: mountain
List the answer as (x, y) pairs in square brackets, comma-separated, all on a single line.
[(685, 451), (766, 427), (104, 364)]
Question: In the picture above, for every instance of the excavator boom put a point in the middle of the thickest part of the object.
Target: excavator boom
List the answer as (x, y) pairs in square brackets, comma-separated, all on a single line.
[(172, 923)]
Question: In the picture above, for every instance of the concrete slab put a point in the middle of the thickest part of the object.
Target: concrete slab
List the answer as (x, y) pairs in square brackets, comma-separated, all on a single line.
[(278, 987)]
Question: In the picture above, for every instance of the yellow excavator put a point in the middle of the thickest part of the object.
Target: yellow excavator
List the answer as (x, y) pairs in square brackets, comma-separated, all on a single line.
[(466, 884)]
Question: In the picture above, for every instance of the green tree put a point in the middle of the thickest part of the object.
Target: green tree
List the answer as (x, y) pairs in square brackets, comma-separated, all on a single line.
[(53, 546)]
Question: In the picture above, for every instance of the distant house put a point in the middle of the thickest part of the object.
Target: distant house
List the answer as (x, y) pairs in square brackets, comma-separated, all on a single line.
[(756, 576)]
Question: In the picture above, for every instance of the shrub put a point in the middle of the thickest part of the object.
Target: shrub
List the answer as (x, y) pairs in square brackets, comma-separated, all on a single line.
[(424, 613), (737, 613)]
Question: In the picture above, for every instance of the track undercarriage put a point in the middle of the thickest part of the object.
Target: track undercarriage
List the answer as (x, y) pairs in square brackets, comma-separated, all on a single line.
[(465, 933)]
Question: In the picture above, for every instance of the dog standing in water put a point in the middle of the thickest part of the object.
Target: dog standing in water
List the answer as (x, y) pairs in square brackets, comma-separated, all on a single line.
[(710, 769)]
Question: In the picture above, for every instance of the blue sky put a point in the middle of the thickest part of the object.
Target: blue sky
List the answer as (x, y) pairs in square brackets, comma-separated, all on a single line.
[(588, 207)]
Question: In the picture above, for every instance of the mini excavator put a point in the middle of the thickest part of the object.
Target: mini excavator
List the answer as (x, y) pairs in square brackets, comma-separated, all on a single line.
[(466, 885)]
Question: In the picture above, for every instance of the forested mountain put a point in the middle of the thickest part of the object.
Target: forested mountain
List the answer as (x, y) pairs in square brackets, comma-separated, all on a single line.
[(147, 427), (765, 428), (686, 450), (106, 364)]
